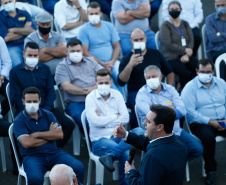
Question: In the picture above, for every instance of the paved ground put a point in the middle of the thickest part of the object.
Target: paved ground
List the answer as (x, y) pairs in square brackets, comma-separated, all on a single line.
[(195, 165)]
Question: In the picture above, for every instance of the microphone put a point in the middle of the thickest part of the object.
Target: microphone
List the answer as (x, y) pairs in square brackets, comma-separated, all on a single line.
[(132, 152)]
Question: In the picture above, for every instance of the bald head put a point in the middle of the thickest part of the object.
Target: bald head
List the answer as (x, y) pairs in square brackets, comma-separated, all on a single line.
[(62, 174), (220, 3), (138, 35)]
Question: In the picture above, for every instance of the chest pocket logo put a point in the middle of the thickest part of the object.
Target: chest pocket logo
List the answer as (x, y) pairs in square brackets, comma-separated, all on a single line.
[(21, 18)]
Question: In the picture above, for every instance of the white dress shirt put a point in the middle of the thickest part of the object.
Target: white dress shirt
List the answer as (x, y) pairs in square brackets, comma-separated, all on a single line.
[(192, 11), (103, 125), (64, 13)]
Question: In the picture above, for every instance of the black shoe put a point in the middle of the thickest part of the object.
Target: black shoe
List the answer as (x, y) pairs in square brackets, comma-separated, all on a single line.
[(210, 178), (107, 161)]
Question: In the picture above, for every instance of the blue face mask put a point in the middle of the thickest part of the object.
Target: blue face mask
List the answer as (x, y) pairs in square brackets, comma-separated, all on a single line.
[(221, 10), (10, 7)]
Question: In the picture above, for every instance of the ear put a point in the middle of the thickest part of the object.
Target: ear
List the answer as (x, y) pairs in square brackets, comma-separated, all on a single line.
[(23, 101), (95, 83), (111, 83), (160, 127), (40, 100), (197, 71), (214, 72), (23, 54), (160, 77), (75, 181), (36, 24)]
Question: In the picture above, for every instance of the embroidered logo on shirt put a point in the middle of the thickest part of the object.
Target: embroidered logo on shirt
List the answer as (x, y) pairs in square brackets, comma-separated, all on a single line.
[(21, 18), (168, 102)]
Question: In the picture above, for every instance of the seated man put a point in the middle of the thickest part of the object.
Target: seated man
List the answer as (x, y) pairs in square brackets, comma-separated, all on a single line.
[(105, 109), (205, 98), (155, 92), (5, 66), (215, 24), (51, 43), (15, 25), (76, 76), (70, 16), (37, 143), (192, 12), (34, 73), (131, 69), (166, 155), (63, 174), (100, 40), (131, 14)]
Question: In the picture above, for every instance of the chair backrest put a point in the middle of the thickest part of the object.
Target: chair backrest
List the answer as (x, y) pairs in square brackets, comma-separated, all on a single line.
[(9, 100), (160, 21), (60, 90), (57, 26), (14, 146), (218, 63), (204, 38), (157, 42), (83, 118), (138, 120), (39, 3), (112, 18)]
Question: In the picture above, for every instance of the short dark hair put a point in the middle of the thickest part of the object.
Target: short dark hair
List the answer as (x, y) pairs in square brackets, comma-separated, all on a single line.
[(165, 116), (31, 45), (94, 5), (205, 62), (174, 2), (74, 42), (103, 72), (31, 90)]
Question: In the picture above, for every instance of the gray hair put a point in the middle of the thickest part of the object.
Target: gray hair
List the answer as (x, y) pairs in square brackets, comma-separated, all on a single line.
[(148, 68), (62, 170)]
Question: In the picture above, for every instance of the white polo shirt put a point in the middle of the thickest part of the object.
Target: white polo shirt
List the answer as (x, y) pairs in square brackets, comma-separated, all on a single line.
[(64, 13)]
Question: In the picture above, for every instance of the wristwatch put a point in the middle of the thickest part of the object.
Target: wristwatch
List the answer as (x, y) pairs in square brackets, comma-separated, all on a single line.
[(218, 34), (79, 8)]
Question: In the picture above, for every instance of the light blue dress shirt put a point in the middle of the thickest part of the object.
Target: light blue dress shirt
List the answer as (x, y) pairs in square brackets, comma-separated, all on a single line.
[(5, 60), (168, 96), (202, 103)]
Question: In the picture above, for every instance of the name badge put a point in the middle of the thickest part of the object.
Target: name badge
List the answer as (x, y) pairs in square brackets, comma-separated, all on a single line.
[(168, 102), (183, 41), (21, 18)]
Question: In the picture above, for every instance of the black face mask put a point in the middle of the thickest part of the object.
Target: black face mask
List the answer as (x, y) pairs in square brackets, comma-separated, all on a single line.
[(174, 13), (44, 31)]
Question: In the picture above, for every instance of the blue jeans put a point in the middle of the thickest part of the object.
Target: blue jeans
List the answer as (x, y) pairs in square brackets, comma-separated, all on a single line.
[(127, 46), (16, 54), (37, 165), (154, 7), (48, 5), (75, 109)]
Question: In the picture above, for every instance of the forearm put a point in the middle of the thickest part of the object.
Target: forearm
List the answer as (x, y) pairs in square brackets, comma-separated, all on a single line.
[(116, 53), (139, 14), (44, 57), (56, 52), (12, 36), (87, 54), (70, 26), (125, 74), (125, 18), (73, 89), (83, 15), (30, 142), (170, 78), (51, 135), (24, 30)]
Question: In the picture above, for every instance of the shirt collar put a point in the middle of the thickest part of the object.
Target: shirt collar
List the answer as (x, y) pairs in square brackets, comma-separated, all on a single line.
[(70, 63), (214, 81), (67, 5), (22, 66), (29, 117), (99, 96), (40, 37), (18, 12), (163, 88), (160, 138), (217, 16)]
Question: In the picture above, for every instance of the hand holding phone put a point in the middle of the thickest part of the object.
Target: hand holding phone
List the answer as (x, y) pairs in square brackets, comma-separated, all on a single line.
[(222, 123)]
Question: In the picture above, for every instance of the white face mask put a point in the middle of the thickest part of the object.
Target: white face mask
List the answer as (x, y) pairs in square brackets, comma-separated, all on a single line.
[(139, 45), (104, 89), (75, 57), (94, 19), (153, 83), (32, 108), (31, 62), (205, 78), (10, 7)]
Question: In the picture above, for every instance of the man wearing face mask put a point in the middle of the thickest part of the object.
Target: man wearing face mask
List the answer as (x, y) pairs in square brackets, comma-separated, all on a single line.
[(15, 25), (52, 44), (37, 130), (76, 76), (34, 73), (157, 92), (105, 109), (215, 30), (132, 67), (205, 98), (101, 41)]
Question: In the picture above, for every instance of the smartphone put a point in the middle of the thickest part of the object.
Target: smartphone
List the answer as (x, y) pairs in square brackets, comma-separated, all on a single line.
[(222, 123), (137, 51)]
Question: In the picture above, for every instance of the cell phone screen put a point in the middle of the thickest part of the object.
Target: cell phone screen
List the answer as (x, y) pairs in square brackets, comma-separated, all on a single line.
[(137, 51), (222, 123)]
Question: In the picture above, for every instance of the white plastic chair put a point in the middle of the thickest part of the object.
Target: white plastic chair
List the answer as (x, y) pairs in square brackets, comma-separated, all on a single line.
[(76, 132), (204, 37), (95, 158), (11, 115), (19, 165), (3, 154), (57, 26), (157, 40), (219, 59), (112, 18)]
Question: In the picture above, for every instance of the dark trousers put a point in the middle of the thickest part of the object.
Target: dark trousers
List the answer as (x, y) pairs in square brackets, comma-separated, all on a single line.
[(186, 71), (130, 104), (67, 127), (207, 136), (214, 54), (4, 103), (197, 40)]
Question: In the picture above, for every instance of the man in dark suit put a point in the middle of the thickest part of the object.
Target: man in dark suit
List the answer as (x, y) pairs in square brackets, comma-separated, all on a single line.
[(166, 157)]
